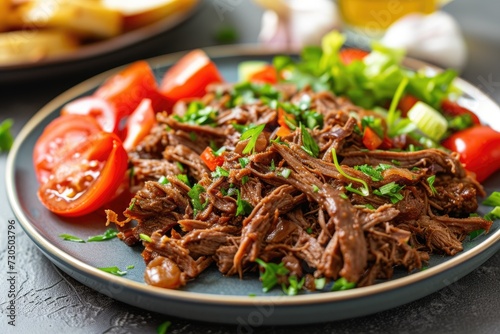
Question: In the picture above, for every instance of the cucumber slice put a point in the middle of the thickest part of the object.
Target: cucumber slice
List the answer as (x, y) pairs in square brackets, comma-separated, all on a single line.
[(248, 68), (428, 120)]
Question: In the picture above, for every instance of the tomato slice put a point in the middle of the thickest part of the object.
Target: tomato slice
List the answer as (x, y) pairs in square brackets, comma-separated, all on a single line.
[(59, 137), (348, 55), (454, 109), (139, 124), (267, 75), (101, 110), (210, 159), (190, 76), (86, 177), (128, 88), (479, 149)]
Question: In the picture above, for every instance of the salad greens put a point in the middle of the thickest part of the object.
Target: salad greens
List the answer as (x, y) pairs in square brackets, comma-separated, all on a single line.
[(368, 83)]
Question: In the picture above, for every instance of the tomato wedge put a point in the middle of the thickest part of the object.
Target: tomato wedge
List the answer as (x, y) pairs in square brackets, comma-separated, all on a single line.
[(210, 159), (454, 109), (101, 110), (479, 149), (59, 137), (371, 140), (267, 74), (128, 88), (348, 55), (284, 129), (139, 124), (86, 177), (190, 76)]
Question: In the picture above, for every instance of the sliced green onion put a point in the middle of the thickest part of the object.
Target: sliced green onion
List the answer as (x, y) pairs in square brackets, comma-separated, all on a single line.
[(145, 237), (430, 121), (364, 189), (493, 199), (69, 237), (286, 173), (109, 234)]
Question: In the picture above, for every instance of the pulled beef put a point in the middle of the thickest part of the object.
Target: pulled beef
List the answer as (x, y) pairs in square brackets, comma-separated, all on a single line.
[(279, 203)]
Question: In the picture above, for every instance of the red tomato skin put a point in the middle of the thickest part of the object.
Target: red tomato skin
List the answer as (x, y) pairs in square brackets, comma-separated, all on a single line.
[(371, 140), (102, 146), (267, 75), (210, 159), (128, 88), (190, 76), (454, 109), (479, 149), (58, 138), (406, 103), (139, 124), (101, 110), (348, 55)]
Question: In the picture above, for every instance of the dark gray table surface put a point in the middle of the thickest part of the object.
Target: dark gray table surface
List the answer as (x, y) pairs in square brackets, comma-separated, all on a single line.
[(49, 301)]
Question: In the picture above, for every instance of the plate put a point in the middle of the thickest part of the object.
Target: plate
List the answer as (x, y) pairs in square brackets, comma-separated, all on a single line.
[(62, 63), (213, 297)]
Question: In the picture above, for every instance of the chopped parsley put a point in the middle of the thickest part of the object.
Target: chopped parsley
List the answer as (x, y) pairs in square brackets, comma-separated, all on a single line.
[(109, 234), (243, 208), (430, 181), (474, 234), (308, 143), (493, 199), (343, 284), (272, 168), (195, 195), (315, 188), (244, 162), (244, 179), (113, 270), (197, 113), (184, 179), (271, 273), (391, 190), (6, 138), (220, 172), (69, 237), (252, 134), (374, 123), (374, 173), (132, 204), (294, 286)]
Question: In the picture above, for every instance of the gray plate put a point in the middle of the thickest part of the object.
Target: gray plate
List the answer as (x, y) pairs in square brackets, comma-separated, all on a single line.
[(213, 297)]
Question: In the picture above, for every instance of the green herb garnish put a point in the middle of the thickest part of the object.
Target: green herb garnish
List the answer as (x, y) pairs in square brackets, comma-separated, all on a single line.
[(220, 172), (109, 234), (113, 270), (243, 162), (493, 199), (319, 283), (343, 284), (195, 195), (364, 190), (6, 138), (252, 134), (308, 143), (271, 273), (315, 188), (145, 237), (430, 181), (69, 237), (391, 190), (197, 113), (243, 208), (132, 204), (294, 286), (374, 173), (286, 173), (184, 178), (163, 180), (163, 328)]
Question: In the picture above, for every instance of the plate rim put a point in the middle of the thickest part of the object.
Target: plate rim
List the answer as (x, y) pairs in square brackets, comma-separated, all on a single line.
[(211, 298)]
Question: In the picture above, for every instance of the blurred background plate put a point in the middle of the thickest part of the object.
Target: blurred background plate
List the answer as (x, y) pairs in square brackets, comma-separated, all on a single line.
[(95, 54)]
